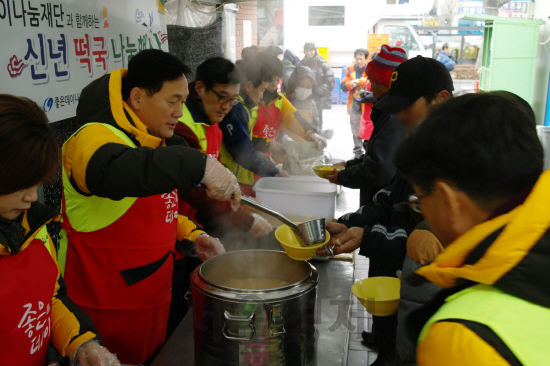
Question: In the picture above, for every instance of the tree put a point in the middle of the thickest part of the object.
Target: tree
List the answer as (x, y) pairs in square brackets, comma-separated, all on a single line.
[(492, 6), (449, 9)]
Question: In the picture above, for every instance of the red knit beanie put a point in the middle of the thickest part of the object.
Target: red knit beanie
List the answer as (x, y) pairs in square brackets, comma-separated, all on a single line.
[(382, 66)]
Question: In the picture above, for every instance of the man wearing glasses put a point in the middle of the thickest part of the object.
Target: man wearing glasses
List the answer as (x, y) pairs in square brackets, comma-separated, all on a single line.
[(211, 96), (381, 231)]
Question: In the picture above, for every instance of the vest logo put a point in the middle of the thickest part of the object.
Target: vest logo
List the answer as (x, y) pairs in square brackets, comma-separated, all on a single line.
[(393, 77), (171, 202), (269, 132), (39, 320)]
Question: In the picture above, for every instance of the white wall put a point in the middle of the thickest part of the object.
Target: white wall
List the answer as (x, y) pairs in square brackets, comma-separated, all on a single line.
[(542, 11)]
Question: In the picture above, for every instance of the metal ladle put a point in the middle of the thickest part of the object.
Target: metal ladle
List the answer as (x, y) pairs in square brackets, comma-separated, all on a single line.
[(309, 232)]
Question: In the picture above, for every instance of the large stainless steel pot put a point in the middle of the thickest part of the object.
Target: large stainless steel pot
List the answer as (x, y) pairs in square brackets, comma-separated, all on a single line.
[(269, 326)]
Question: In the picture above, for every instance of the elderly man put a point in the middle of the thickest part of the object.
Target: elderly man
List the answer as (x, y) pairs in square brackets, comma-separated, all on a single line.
[(324, 79), (487, 202)]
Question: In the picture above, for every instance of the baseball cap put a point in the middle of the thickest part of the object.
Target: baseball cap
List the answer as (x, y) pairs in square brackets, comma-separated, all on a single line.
[(412, 79)]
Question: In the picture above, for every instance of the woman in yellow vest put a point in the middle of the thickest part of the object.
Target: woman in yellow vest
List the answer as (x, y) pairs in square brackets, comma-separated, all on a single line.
[(475, 164), (35, 307), (237, 152)]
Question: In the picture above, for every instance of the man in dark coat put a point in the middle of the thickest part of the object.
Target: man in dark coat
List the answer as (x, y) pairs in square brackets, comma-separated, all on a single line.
[(374, 170), (324, 78)]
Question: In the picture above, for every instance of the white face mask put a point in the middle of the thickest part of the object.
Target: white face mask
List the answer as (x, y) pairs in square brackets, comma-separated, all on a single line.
[(302, 93)]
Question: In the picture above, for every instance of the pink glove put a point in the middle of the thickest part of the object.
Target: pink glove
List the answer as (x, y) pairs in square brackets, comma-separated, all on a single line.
[(220, 183), (91, 353), (207, 247), (260, 226)]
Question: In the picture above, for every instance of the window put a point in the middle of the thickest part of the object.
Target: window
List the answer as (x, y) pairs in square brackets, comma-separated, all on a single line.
[(327, 15), (401, 36)]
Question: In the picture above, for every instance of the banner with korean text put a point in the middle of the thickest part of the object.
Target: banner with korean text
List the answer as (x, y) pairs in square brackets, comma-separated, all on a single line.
[(52, 49)]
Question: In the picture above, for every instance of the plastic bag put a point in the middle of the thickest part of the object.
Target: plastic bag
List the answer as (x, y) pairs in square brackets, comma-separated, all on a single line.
[(189, 13)]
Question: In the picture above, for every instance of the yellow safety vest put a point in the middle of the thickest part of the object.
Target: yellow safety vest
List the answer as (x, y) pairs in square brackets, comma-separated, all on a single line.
[(243, 176), (106, 211), (520, 324)]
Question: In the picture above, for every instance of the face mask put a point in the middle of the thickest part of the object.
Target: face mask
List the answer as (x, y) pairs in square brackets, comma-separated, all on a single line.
[(302, 93)]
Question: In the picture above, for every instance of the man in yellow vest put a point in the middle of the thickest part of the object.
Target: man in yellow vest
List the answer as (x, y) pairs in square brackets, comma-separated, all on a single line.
[(121, 174), (475, 164), (211, 96)]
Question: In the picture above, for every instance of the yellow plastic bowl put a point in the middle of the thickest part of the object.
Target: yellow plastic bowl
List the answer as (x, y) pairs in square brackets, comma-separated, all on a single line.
[(324, 170), (379, 295), (292, 246)]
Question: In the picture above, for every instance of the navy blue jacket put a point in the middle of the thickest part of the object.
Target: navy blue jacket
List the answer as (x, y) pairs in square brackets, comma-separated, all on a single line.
[(236, 138)]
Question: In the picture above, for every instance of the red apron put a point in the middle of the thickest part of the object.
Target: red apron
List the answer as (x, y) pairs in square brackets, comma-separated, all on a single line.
[(213, 138), (267, 126), (28, 285), (121, 275)]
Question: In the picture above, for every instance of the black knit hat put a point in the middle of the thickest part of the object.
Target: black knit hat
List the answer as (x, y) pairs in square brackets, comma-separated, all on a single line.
[(310, 45), (412, 79)]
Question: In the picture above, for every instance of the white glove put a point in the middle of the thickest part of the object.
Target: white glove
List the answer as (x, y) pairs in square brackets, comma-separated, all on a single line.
[(260, 226), (220, 183), (91, 353), (207, 247)]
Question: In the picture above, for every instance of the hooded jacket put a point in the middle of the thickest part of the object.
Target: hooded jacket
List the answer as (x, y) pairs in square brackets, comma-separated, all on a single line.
[(324, 78), (120, 219), (31, 277), (504, 257)]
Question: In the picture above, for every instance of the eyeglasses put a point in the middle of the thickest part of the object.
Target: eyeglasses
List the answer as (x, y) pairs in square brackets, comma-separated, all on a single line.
[(222, 99), (414, 200)]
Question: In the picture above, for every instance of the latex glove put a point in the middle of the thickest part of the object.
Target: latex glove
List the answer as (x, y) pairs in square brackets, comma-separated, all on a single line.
[(333, 178), (276, 148), (220, 183), (283, 173), (260, 226), (207, 247), (335, 230), (342, 163), (319, 141), (91, 353)]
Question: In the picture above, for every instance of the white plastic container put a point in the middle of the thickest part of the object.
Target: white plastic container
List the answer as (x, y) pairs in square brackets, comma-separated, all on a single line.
[(298, 198)]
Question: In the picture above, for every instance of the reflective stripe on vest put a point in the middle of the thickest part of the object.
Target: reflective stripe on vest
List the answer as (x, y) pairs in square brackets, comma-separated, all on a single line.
[(243, 176), (77, 207), (520, 324), (196, 127)]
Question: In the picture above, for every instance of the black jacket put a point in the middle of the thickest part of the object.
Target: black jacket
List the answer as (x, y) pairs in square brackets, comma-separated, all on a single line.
[(386, 229), (324, 78), (374, 170)]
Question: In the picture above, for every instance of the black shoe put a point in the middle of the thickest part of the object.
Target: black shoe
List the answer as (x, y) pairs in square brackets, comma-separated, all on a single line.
[(384, 358), (368, 337)]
